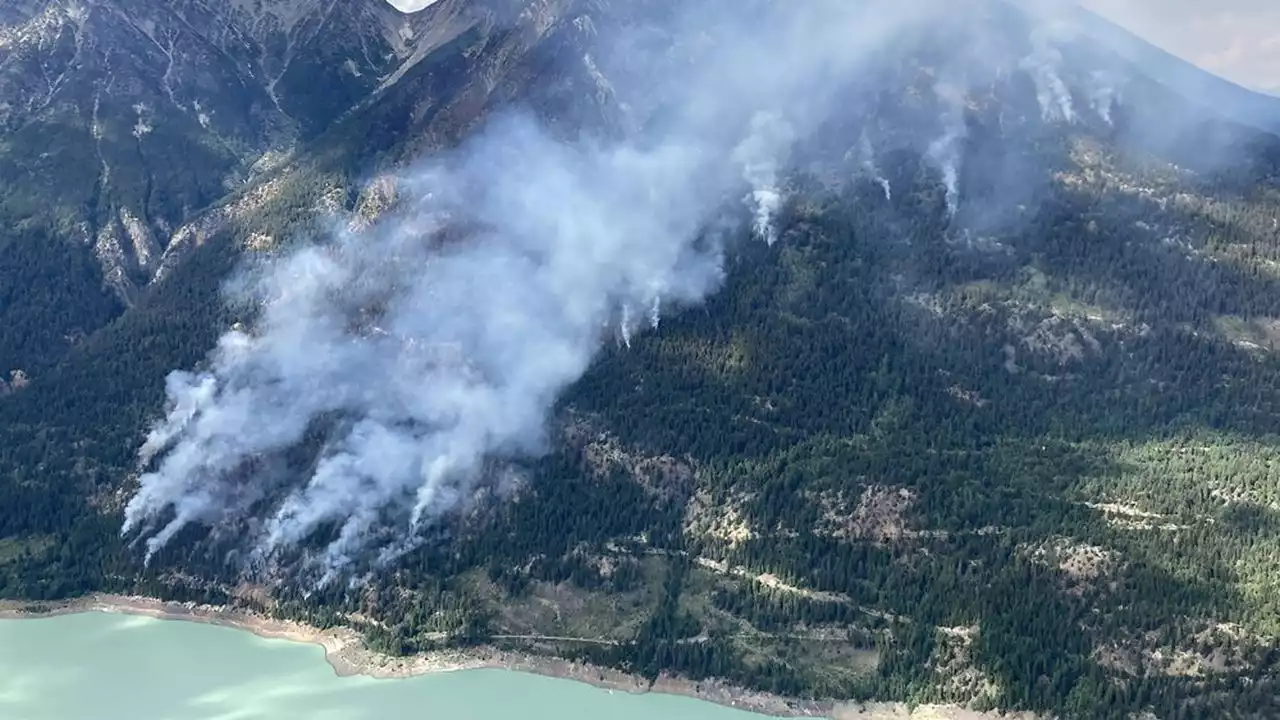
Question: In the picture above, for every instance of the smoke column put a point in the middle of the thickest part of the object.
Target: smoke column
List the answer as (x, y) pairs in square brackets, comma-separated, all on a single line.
[(1103, 94), (946, 150), (420, 358), (1042, 64), (432, 358), (867, 159), (760, 155)]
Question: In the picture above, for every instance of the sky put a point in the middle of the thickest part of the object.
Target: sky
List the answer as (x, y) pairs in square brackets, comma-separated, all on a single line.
[(410, 5), (1237, 39)]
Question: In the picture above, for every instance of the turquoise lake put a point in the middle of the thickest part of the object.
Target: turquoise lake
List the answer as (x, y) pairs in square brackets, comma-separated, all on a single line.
[(105, 666)]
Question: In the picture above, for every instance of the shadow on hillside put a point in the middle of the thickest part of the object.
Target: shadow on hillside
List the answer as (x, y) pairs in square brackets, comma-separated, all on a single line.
[(787, 390)]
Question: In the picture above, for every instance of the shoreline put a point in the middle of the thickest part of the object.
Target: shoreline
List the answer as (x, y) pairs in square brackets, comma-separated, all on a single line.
[(346, 652)]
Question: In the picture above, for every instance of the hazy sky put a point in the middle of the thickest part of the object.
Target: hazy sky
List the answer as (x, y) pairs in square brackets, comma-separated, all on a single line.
[(1237, 39)]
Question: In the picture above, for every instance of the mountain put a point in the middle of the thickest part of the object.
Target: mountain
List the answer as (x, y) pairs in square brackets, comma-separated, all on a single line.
[(1224, 97), (961, 384), (124, 120)]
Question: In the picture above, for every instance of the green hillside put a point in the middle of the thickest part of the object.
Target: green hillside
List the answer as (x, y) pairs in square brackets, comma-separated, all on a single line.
[(1019, 461)]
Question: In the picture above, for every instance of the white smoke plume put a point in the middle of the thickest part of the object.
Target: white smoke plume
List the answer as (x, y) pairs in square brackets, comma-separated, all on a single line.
[(434, 358), (1042, 64), (867, 160), (946, 151), (424, 361), (625, 325), (1103, 94), (761, 154), (424, 356)]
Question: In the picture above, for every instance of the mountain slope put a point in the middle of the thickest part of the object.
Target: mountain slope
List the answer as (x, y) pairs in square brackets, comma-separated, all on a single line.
[(1202, 87), (991, 421), (123, 120)]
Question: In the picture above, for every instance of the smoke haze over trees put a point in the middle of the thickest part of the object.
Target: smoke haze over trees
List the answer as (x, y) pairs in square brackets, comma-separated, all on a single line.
[(423, 363), (915, 351)]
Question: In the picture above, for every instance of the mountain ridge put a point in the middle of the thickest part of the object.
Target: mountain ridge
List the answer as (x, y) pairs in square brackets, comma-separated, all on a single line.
[(1231, 99), (989, 421)]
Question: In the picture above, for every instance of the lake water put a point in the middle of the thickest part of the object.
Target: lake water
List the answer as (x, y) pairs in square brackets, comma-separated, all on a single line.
[(101, 666)]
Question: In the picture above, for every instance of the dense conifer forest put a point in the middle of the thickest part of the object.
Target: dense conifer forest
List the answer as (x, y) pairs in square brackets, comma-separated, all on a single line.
[(1022, 457)]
